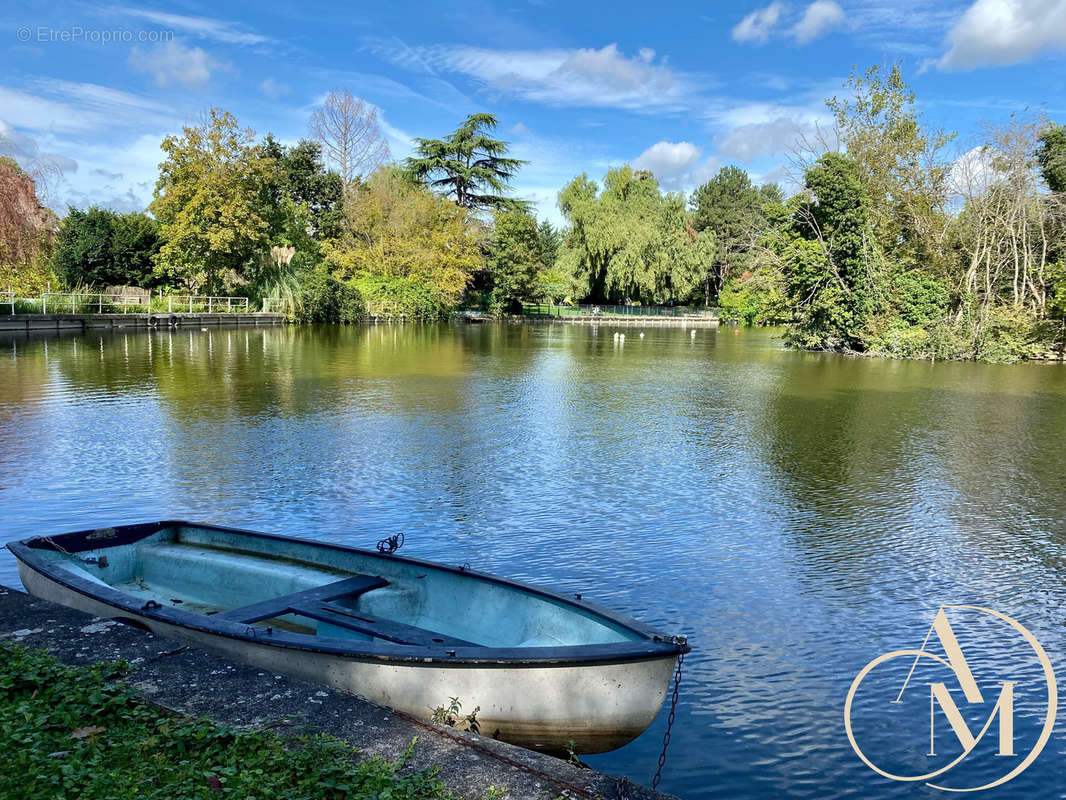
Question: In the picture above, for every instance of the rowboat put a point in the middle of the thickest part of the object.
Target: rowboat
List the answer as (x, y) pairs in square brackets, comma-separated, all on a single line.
[(546, 670)]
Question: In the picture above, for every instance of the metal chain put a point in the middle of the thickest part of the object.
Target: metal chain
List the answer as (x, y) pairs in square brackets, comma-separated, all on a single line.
[(670, 718)]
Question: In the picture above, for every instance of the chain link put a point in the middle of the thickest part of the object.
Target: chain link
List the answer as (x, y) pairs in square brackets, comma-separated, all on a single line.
[(681, 641)]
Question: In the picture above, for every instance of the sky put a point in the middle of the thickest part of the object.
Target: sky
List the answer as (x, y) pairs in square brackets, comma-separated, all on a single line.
[(679, 88)]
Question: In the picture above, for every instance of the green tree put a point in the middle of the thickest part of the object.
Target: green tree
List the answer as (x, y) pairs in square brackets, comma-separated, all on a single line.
[(468, 165), (730, 206), (829, 257), (550, 241), (630, 242), (98, 248), (301, 178), (209, 204), (82, 252), (898, 163), (1052, 157), (514, 259), (134, 243), (407, 250)]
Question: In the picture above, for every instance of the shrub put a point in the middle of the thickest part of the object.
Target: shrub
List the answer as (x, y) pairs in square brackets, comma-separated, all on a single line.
[(324, 298)]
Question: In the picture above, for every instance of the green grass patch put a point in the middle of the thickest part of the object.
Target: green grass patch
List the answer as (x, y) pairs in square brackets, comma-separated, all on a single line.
[(70, 732)]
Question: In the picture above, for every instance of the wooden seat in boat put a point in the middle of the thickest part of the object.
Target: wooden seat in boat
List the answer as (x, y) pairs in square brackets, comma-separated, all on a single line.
[(276, 606), (317, 604)]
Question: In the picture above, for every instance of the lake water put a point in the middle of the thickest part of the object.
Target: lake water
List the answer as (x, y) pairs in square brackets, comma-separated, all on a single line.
[(794, 514)]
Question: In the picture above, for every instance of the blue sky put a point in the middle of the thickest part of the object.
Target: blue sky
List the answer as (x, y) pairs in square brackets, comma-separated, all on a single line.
[(679, 88)]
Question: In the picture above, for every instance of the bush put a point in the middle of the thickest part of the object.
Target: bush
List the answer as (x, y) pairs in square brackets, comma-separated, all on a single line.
[(387, 295), (324, 298), (920, 298)]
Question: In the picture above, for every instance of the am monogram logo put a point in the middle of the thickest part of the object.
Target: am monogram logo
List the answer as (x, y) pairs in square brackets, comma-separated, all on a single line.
[(942, 705)]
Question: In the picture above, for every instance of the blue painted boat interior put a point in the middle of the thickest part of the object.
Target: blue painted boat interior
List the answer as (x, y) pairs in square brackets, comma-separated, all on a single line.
[(210, 571)]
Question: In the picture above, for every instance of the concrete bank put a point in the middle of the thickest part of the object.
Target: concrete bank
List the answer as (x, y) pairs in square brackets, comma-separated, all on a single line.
[(629, 321), (197, 683), (31, 323)]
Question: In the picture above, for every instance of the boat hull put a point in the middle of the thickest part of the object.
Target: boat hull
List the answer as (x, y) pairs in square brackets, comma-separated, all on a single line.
[(591, 708)]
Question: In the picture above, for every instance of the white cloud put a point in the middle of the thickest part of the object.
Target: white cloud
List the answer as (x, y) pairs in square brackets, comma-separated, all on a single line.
[(667, 159), (1002, 32), (47, 104), (820, 17), (757, 26), (817, 19), (273, 89), (753, 130), (122, 176), (584, 77), (204, 27), (971, 173), (676, 165), (174, 64)]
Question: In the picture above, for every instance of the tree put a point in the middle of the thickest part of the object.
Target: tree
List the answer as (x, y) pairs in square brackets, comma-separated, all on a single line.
[(350, 134), (1052, 157), (629, 242), (899, 165), (99, 248), (208, 201), (514, 259), (27, 229), (301, 177), (405, 249), (468, 166), (730, 206), (550, 242), (1008, 228), (829, 258)]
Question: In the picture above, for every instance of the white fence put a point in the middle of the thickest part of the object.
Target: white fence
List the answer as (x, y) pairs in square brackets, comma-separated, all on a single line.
[(92, 301), (188, 302), (105, 303)]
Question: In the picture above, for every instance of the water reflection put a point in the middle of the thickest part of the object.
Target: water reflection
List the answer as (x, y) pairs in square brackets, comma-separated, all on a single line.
[(795, 514)]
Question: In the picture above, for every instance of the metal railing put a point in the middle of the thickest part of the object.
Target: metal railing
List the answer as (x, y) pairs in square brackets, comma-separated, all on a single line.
[(88, 302), (105, 303), (193, 302), (562, 310)]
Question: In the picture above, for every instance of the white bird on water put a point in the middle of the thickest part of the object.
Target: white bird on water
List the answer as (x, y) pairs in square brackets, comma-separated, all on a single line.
[(621, 337), (642, 334), (693, 334)]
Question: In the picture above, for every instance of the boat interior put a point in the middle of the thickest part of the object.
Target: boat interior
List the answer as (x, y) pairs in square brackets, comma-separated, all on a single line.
[(302, 588)]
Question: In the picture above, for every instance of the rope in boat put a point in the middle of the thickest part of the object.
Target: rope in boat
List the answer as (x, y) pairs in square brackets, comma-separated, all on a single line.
[(100, 562), (390, 544)]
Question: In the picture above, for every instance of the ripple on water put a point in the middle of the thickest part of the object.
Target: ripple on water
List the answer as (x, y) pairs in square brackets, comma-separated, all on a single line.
[(794, 514)]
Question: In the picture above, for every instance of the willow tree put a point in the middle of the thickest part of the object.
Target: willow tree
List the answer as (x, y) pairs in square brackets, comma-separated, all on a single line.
[(631, 242), (468, 165)]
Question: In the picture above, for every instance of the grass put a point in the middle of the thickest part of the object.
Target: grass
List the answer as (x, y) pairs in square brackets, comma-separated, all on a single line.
[(70, 732)]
